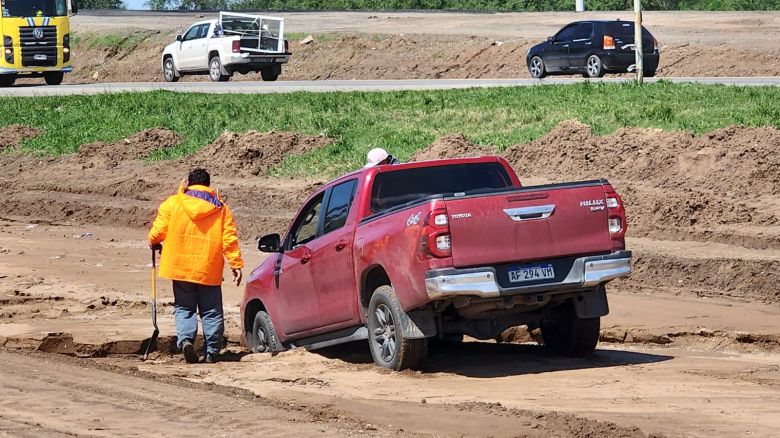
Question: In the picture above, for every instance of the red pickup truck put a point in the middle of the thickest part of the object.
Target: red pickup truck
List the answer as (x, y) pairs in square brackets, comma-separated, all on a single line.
[(405, 254)]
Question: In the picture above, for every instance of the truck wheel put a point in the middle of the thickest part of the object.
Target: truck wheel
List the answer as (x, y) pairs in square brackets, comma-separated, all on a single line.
[(7, 80), (568, 335), (215, 70), (169, 70), (263, 338), (389, 348), (269, 74), (53, 78)]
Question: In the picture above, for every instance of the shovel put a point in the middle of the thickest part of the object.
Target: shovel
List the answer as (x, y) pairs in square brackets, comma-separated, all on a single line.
[(152, 345)]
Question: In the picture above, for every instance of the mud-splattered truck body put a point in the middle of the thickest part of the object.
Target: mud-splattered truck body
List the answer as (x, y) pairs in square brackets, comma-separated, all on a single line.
[(406, 254)]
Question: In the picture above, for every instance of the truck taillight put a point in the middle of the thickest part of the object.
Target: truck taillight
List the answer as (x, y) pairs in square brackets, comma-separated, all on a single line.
[(616, 221), (286, 46), (236, 46), (609, 43), (436, 234), (615, 225), (655, 44)]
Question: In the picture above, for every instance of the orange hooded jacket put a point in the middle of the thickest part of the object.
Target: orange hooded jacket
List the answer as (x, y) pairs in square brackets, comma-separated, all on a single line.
[(198, 229)]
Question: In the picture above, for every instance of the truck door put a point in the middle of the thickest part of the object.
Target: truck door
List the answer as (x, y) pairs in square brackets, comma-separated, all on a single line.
[(189, 47), (298, 306), (332, 264)]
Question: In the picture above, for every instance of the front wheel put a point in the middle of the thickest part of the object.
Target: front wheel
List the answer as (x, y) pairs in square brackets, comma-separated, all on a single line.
[(54, 78), (536, 68), (263, 338), (568, 335), (215, 70), (169, 70), (593, 67), (7, 80), (389, 347)]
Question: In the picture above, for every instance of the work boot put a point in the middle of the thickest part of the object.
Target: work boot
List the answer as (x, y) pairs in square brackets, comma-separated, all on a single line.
[(211, 358), (189, 352)]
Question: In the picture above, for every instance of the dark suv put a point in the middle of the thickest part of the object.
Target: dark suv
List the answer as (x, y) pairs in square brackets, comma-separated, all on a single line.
[(592, 48)]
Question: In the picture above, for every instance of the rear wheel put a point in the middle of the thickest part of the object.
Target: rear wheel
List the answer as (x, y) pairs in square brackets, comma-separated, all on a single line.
[(593, 67), (649, 73), (215, 70), (54, 78), (269, 74), (568, 335), (7, 80), (389, 347), (169, 70), (536, 68), (263, 338)]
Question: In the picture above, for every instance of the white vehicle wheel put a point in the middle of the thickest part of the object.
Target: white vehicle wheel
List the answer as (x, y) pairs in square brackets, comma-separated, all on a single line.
[(215, 70), (169, 71)]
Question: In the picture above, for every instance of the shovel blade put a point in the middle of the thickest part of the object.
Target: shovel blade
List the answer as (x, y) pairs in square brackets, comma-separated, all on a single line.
[(152, 344)]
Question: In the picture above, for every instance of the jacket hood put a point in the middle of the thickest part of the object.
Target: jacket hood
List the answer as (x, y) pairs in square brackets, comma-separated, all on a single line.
[(199, 201)]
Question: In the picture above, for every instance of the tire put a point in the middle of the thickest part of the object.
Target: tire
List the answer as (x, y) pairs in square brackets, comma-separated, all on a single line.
[(594, 68), (389, 348), (650, 74), (568, 335), (269, 75), (169, 70), (7, 80), (536, 68), (263, 338), (215, 70), (54, 78)]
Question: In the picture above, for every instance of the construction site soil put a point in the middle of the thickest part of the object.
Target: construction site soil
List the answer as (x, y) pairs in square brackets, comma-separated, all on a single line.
[(691, 345)]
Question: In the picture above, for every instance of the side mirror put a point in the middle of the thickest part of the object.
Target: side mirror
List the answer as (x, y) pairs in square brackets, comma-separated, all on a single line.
[(549, 38), (178, 37), (269, 243), (74, 7)]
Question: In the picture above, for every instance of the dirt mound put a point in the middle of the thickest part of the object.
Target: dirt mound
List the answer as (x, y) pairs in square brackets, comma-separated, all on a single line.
[(450, 146), (253, 153), (12, 136), (135, 147)]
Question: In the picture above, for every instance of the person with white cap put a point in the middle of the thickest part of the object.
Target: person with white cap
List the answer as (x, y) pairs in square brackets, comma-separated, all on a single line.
[(379, 156)]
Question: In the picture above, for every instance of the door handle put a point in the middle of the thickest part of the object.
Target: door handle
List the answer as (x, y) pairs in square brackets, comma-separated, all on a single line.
[(565, 45), (305, 259), (341, 245)]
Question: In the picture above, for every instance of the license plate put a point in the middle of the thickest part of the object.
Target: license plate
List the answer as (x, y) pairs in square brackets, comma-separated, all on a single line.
[(531, 273), (40, 57)]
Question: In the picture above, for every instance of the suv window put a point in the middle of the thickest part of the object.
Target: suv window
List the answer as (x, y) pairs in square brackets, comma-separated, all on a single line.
[(340, 201), (398, 187), (566, 34), (623, 29), (582, 31), (192, 33), (305, 229)]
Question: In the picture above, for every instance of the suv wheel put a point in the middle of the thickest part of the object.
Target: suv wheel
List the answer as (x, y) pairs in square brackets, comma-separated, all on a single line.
[(169, 71), (215, 70), (568, 335), (593, 67), (389, 348), (53, 78), (263, 338), (536, 68)]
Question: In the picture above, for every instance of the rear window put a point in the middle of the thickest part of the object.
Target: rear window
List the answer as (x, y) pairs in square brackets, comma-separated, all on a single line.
[(395, 188), (623, 29)]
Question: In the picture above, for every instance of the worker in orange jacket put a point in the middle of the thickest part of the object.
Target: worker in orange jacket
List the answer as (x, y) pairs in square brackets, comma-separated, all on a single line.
[(199, 233)]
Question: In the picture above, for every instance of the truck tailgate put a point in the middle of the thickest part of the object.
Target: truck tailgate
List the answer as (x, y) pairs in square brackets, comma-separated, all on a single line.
[(528, 224)]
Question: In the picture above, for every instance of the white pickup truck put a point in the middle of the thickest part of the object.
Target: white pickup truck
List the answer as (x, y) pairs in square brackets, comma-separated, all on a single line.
[(234, 43)]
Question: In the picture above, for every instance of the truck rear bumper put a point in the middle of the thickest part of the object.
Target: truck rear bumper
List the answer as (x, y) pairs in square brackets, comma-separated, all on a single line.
[(247, 58), (585, 273)]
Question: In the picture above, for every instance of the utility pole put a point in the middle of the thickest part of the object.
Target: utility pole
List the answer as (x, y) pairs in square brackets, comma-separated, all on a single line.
[(640, 71), (580, 6)]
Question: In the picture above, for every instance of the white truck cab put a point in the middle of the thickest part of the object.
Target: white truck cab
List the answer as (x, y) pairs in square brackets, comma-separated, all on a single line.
[(234, 43)]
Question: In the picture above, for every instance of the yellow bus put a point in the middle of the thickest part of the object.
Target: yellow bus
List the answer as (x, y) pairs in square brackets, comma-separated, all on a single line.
[(36, 40)]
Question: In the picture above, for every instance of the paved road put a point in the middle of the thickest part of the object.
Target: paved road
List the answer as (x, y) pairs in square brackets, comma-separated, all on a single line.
[(330, 86)]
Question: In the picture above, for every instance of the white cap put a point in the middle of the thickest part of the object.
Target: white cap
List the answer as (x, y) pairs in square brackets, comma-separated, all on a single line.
[(376, 156)]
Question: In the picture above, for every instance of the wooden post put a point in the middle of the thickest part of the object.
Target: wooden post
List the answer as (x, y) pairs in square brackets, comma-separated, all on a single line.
[(640, 71)]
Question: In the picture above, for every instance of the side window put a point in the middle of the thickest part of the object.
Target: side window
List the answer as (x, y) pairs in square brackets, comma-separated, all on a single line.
[(566, 34), (583, 31), (305, 229), (192, 33), (341, 197), (204, 31)]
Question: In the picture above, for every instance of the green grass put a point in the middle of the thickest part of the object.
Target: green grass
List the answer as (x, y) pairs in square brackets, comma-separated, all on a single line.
[(401, 122)]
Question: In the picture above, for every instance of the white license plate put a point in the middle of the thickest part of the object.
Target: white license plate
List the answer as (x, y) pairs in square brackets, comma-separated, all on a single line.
[(531, 273), (40, 57)]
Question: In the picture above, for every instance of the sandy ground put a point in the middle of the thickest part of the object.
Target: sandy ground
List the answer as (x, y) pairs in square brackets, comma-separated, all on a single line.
[(382, 45), (691, 345)]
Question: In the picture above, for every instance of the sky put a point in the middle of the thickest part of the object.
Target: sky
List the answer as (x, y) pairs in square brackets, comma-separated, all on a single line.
[(135, 4)]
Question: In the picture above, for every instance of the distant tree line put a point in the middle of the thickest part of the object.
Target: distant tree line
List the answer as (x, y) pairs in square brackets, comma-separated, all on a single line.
[(464, 5)]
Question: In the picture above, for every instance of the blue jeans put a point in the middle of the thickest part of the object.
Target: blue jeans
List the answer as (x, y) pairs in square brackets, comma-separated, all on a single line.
[(189, 298)]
